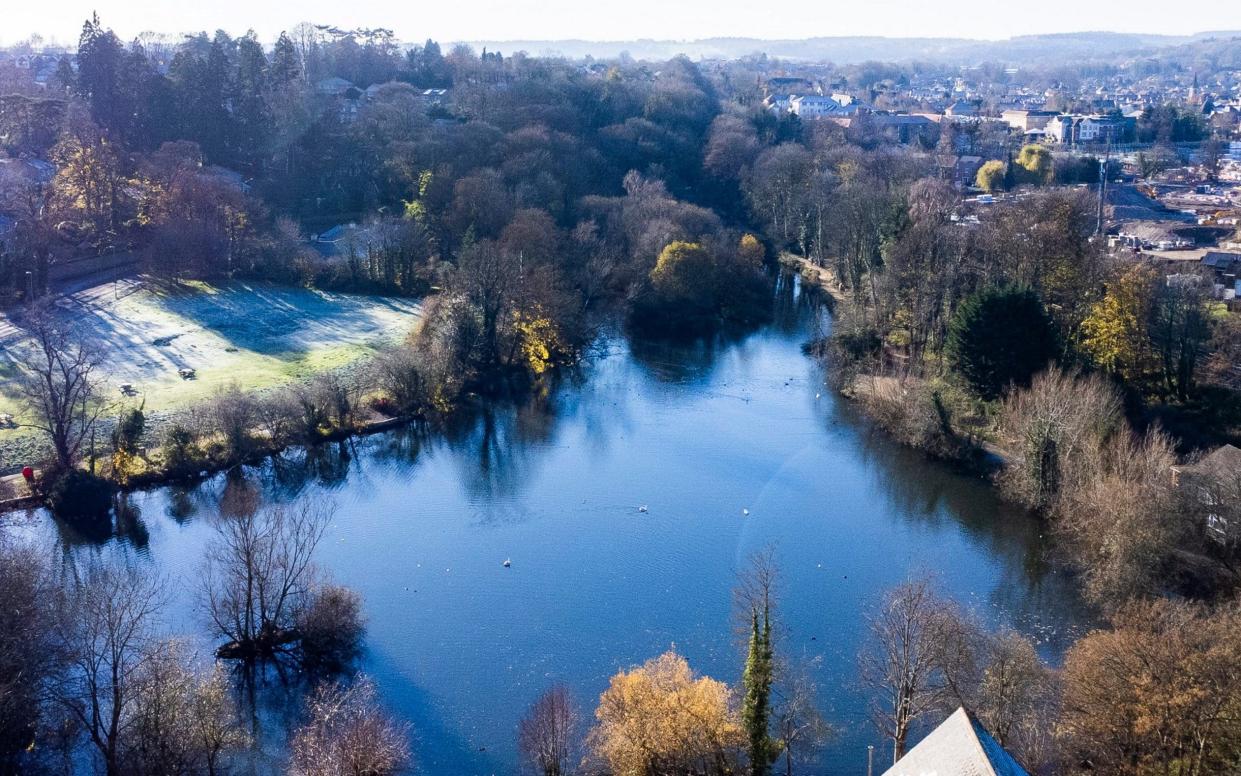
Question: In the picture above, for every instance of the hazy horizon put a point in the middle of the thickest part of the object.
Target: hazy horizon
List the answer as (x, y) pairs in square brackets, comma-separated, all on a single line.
[(638, 20)]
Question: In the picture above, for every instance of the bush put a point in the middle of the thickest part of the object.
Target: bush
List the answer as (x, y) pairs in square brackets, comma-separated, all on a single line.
[(178, 448), (128, 431), (77, 494), (232, 414), (1000, 337), (331, 629), (916, 414)]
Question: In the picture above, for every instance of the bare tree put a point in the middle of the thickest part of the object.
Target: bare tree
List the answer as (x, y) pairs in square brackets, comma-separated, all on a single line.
[(1053, 428), (801, 727), (26, 650), (347, 732), (183, 721), (901, 666), (755, 592), (258, 574), (107, 630), (1016, 697), (60, 386), (1122, 523), (545, 734), (232, 413)]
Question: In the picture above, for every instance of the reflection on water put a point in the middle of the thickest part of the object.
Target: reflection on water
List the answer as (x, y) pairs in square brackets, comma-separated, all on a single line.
[(699, 432)]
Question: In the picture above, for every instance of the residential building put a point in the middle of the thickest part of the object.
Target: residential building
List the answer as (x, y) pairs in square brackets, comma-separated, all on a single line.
[(962, 108), (1216, 482), (1028, 120), (960, 746), (1225, 264), (1072, 130), (812, 106)]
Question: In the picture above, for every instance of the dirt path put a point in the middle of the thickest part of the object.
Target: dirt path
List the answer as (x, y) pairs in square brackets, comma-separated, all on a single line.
[(820, 277)]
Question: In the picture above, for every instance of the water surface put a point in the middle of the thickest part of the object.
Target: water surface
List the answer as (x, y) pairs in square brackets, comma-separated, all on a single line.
[(460, 645)]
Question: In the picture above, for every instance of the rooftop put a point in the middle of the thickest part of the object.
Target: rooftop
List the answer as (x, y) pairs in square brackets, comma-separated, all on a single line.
[(960, 746)]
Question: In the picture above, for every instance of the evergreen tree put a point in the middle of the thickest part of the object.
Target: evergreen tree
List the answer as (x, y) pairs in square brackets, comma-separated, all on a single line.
[(286, 65), (756, 708), (1010, 173), (137, 98), (1000, 337), (100, 57), (248, 96), (66, 79)]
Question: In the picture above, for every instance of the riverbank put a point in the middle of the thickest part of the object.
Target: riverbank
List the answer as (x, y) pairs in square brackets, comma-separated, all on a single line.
[(929, 417), (820, 278), (146, 472)]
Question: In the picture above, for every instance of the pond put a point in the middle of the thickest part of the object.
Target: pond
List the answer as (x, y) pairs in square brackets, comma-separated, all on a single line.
[(626, 499)]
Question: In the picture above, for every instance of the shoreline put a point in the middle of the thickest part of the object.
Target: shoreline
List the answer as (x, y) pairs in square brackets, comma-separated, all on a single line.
[(203, 469), (821, 278)]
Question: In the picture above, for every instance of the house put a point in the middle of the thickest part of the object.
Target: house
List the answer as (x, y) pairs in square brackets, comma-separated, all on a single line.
[(340, 240), (961, 108), (810, 106), (779, 103), (1225, 264), (334, 87), (1104, 129), (1060, 129), (1216, 479), (27, 171), (1071, 130), (1028, 120), (960, 746), (903, 127), (965, 170), (789, 85)]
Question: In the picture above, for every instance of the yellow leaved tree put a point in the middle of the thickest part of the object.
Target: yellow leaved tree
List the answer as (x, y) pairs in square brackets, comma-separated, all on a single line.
[(751, 252), (1115, 333), (661, 718), (539, 339)]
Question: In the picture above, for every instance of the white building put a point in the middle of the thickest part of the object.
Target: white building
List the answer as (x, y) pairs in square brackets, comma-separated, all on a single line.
[(813, 106), (960, 746)]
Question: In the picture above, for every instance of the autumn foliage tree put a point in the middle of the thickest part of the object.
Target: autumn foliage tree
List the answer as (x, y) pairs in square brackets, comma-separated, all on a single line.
[(990, 177), (87, 193), (1158, 694), (1115, 334), (1035, 164), (661, 719)]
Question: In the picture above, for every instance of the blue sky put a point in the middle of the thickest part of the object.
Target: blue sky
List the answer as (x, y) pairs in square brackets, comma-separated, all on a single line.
[(616, 19)]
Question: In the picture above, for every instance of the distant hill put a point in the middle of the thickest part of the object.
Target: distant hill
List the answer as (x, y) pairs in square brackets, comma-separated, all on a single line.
[(1023, 50)]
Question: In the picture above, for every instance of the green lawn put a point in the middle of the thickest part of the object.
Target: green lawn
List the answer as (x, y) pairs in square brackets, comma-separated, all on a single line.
[(256, 335)]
